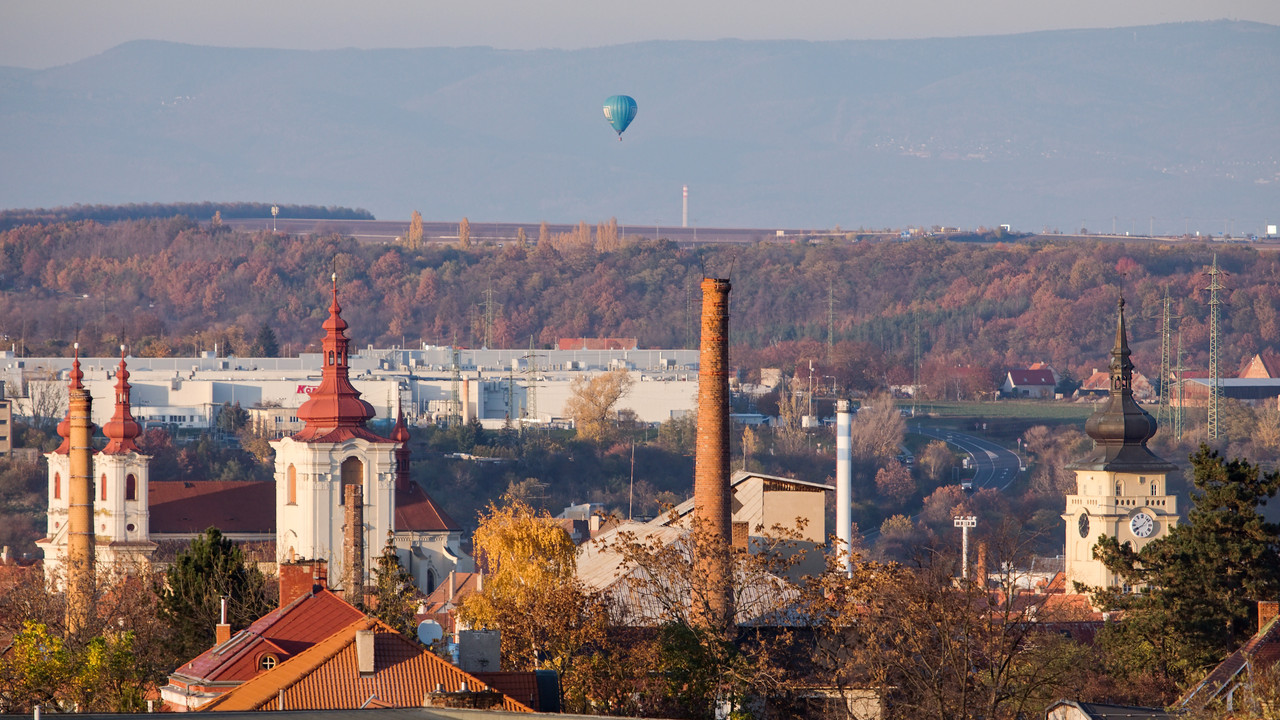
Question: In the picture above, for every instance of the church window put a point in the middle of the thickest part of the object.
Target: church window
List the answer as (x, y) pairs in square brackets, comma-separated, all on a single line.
[(1153, 488), (330, 357), (1118, 489), (57, 486), (293, 485), (352, 474), (103, 484), (431, 581), (130, 487)]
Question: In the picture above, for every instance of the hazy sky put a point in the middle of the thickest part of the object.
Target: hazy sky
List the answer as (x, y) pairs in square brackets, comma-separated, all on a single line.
[(44, 33)]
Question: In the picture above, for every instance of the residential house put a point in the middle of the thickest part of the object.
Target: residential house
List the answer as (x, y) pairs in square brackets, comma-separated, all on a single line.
[(1028, 384)]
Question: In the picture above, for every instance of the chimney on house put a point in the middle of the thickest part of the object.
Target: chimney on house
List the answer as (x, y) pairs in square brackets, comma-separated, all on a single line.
[(364, 652), (711, 498), (301, 578), (222, 631), (1267, 611), (844, 484), (980, 569), (353, 545), (81, 550)]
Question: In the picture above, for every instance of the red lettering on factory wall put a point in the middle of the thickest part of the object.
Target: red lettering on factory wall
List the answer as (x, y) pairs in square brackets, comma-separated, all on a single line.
[(307, 389)]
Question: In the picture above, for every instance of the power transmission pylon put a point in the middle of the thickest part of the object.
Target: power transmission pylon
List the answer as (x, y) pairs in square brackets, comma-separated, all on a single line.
[(531, 414), (489, 314), (455, 406), (1179, 409), (1164, 410), (1215, 388)]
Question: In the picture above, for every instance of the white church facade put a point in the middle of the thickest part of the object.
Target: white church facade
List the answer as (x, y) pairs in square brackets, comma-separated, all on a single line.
[(333, 450)]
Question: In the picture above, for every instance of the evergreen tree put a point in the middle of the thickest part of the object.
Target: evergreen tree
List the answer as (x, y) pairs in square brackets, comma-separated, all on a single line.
[(265, 345), (211, 568), (1203, 579), (396, 595)]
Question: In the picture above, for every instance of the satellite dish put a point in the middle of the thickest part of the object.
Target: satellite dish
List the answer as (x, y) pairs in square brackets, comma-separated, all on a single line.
[(429, 631)]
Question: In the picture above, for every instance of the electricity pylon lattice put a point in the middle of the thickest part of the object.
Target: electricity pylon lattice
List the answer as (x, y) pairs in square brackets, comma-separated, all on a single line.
[(1215, 385)]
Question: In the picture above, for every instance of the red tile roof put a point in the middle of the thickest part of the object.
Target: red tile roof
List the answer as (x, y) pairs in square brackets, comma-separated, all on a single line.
[(232, 506), (416, 511), (284, 633), (1259, 654), (327, 676)]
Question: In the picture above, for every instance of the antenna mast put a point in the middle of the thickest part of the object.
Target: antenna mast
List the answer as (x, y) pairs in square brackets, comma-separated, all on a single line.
[(1215, 390), (455, 406), (831, 318)]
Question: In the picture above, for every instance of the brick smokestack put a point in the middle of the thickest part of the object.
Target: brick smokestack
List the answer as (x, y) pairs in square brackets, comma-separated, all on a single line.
[(81, 577), (711, 468), (353, 545)]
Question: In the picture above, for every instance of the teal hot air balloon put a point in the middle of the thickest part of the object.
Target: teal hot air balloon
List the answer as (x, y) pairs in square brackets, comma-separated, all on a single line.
[(620, 110)]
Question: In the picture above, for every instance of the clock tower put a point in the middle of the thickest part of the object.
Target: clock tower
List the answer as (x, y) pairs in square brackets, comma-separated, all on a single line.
[(1121, 487)]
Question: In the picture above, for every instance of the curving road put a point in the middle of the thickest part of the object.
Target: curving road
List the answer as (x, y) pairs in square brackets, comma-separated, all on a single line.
[(994, 466)]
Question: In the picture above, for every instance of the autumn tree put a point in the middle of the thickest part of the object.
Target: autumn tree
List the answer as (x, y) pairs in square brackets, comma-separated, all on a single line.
[(591, 401), (1052, 451), (1204, 576), (413, 240), (102, 675), (211, 568), (521, 239), (895, 483), (464, 233), (877, 429), (932, 647), (544, 234), (936, 461), (531, 592)]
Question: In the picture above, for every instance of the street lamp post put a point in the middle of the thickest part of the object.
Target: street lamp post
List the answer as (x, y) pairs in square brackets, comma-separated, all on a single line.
[(275, 210)]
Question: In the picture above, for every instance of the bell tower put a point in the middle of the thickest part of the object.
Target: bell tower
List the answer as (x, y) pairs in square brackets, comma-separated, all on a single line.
[(334, 449), (121, 473), (1121, 487)]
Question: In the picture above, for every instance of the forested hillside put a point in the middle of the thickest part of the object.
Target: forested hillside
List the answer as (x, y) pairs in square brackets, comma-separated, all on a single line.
[(167, 287)]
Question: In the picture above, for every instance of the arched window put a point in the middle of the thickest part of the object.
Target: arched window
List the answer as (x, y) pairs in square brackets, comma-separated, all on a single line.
[(103, 485), (130, 487), (1153, 488), (293, 485), (330, 357), (352, 474), (57, 486), (431, 581)]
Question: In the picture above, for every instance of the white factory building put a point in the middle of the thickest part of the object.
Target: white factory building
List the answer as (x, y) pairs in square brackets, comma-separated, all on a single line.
[(490, 385)]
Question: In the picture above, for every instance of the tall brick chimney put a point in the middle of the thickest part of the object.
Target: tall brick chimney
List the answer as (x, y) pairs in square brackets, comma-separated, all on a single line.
[(81, 575), (353, 545), (711, 495)]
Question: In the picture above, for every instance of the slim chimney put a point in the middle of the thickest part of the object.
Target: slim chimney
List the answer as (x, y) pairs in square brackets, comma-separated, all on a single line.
[(364, 652), (684, 214), (222, 631), (711, 465), (844, 484), (353, 545), (81, 577), (452, 575)]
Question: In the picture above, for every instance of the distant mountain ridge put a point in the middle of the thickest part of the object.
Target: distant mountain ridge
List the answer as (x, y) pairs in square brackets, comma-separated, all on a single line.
[(1172, 126)]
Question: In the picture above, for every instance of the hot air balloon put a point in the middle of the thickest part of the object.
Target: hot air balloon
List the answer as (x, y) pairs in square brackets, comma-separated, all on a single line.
[(620, 110)]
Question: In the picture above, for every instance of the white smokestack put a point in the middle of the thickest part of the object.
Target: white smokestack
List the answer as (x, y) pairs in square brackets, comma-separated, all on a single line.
[(844, 482), (684, 216)]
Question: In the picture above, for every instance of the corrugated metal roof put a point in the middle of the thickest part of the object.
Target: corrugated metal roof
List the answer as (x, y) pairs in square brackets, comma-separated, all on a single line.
[(326, 676)]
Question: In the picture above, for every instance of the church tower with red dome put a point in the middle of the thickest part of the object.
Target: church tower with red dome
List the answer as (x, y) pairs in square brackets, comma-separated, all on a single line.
[(335, 449), (120, 473)]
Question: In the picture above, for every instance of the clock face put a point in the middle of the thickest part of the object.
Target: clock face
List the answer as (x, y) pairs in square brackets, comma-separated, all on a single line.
[(1083, 525), (1142, 525)]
